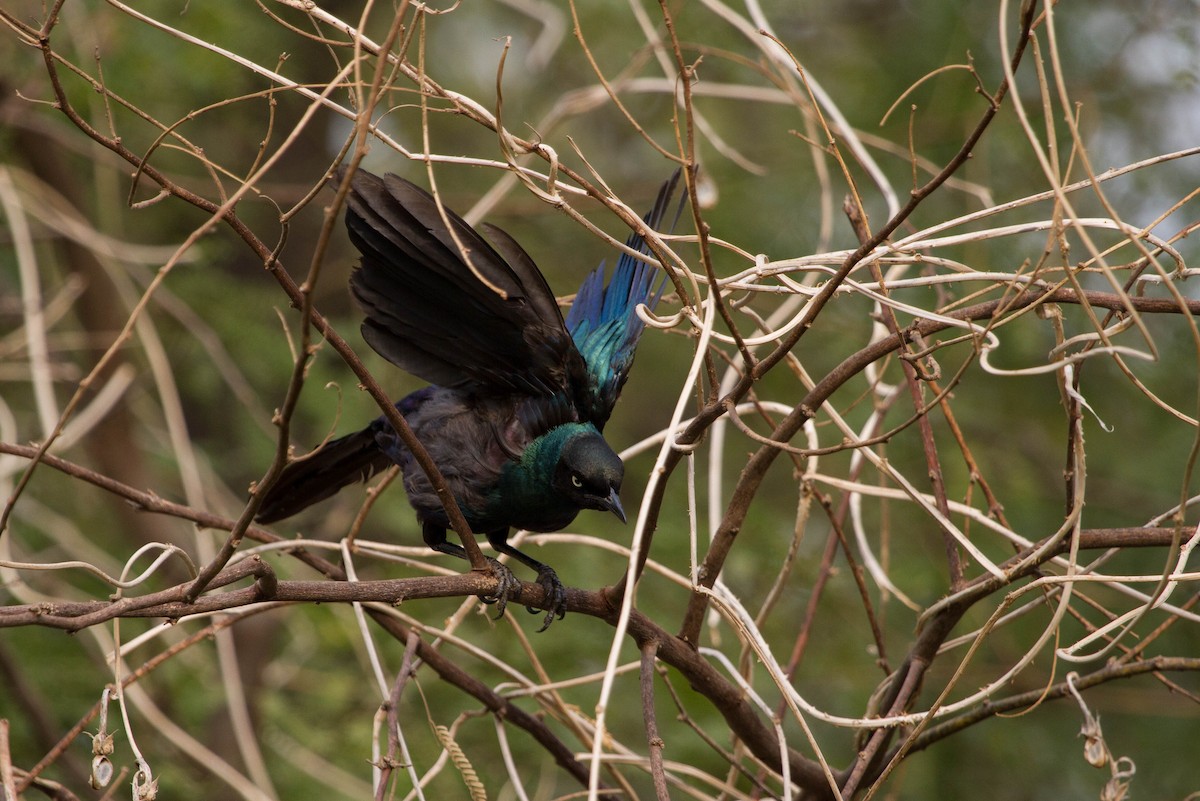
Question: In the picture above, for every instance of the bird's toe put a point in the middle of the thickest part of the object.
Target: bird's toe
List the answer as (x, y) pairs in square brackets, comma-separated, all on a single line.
[(556, 597), (506, 584)]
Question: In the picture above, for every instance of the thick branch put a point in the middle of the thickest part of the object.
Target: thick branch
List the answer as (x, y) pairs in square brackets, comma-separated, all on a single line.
[(1110, 672)]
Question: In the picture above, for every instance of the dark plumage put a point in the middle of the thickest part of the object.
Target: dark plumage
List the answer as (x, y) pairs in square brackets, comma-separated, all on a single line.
[(519, 397)]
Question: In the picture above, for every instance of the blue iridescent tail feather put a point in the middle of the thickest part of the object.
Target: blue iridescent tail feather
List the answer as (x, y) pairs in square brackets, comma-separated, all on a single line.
[(603, 320)]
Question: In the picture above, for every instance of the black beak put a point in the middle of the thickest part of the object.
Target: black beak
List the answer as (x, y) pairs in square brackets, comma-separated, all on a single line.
[(613, 504)]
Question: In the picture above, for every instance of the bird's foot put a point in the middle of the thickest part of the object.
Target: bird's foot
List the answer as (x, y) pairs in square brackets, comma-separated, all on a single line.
[(556, 597), (506, 584)]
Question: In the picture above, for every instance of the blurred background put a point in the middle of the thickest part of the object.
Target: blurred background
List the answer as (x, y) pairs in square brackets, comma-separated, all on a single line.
[(182, 405)]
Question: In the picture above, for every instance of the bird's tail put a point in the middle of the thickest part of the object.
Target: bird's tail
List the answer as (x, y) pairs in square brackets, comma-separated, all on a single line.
[(350, 459)]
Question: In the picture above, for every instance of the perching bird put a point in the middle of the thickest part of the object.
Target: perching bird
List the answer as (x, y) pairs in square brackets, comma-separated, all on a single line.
[(519, 397)]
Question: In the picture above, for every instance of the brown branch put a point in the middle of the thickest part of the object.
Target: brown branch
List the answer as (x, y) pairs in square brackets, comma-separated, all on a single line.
[(149, 502), (172, 603), (742, 717), (169, 603), (739, 714), (902, 690), (708, 739), (869, 755), (913, 378), (391, 760), (68, 739), (52, 790), (906, 682), (225, 213), (687, 144), (458, 586), (654, 741), (296, 383), (706, 416), (755, 470), (1109, 672), (495, 703), (746, 723)]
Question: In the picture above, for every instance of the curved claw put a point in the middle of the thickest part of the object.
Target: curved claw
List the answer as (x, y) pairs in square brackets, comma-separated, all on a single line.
[(506, 583), (556, 597)]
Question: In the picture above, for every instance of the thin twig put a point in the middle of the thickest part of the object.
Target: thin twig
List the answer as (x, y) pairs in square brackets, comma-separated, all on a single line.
[(654, 740)]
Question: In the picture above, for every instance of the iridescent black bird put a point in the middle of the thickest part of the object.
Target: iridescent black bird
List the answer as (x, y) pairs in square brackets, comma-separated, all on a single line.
[(519, 397)]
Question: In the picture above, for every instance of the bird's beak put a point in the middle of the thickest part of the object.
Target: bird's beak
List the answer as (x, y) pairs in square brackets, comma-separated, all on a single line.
[(613, 504)]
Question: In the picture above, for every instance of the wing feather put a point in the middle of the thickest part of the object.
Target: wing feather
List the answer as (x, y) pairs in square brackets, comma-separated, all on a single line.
[(429, 313)]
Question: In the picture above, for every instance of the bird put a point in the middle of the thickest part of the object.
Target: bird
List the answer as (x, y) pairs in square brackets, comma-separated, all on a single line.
[(518, 396)]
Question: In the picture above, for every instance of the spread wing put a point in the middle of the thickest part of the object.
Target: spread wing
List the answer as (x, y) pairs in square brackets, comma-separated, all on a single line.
[(603, 319), (429, 313)]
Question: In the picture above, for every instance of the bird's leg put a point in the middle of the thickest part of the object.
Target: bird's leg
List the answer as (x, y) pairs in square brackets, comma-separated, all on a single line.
[(556, 596), (506, 582)]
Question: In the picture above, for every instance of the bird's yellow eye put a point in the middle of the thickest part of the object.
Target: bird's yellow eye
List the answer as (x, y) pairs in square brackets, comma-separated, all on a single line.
[(576, 480)]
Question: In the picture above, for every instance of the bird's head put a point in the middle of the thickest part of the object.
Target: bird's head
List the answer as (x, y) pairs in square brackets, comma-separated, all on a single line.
[(589, 474)]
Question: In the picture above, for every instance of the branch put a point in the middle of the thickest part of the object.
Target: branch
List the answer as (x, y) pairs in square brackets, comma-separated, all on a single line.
[(224, 212), (756, 468), (1002, 706)]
